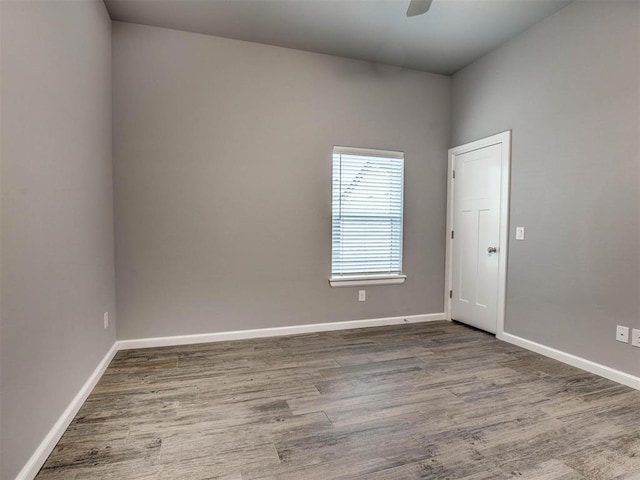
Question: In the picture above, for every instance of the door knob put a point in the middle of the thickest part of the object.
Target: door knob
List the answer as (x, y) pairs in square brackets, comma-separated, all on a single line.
[(492, 249)]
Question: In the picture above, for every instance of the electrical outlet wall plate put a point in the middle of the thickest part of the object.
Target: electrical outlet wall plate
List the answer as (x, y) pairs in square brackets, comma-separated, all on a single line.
[(622, 334), (362, 295), (635, 337)]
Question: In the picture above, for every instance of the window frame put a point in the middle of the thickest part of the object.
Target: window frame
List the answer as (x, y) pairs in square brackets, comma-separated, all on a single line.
[(364, 279)]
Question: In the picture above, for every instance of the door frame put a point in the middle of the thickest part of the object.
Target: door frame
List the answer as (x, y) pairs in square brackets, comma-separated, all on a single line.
[(503, 139)]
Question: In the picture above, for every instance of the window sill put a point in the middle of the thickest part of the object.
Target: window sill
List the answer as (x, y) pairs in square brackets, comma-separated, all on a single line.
[(363, 280)]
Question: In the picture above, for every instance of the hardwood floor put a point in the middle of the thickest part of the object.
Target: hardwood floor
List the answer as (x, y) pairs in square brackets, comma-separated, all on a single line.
[(429, 401)]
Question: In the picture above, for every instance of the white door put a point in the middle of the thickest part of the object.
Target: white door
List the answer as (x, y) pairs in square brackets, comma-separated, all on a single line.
[(478, 220)]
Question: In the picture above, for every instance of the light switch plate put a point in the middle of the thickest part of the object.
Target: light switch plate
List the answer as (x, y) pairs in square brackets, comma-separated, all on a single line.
[(519, 233), (622, 334)]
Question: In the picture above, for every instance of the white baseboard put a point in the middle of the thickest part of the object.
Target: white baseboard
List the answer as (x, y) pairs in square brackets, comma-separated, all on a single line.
[(274, 332), (30, 470), (573, 360), (33, 466)]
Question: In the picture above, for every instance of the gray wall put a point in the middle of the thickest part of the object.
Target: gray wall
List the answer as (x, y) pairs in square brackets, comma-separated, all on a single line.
[(57, 213), (222, 154), (568, 87)]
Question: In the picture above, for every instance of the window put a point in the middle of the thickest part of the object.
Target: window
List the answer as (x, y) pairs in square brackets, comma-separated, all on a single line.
[(366, 245)]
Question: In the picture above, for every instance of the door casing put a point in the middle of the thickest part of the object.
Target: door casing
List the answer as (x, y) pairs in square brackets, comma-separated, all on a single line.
[(504, 139)]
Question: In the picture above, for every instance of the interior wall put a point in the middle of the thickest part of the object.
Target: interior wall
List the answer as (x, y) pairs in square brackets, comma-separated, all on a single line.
[(222, 155), (568, 87), (57, 213)]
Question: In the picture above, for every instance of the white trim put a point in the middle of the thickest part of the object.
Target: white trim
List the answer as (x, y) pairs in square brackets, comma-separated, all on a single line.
[(39, 457), (35, 463), (274, 332), (504, 139), (361, 281), (573, 360), (448, 254), (367, 152)]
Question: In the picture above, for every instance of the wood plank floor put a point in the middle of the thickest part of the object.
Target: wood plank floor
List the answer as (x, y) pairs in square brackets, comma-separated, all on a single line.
[(422, 401)]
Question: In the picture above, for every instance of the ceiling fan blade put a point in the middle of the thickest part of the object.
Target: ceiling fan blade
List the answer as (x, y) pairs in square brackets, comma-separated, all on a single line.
[(418, 7)]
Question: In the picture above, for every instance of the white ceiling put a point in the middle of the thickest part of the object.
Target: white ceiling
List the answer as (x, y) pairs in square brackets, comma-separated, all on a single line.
[(451, 35)]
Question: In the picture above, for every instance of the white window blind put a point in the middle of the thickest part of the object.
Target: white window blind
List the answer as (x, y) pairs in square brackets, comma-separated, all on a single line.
[(367, 212)]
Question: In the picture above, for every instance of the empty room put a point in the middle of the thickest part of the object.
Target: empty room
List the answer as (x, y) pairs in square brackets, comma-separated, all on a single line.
[(319, 239)]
